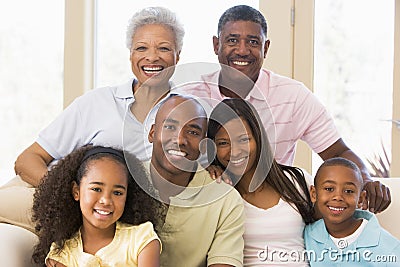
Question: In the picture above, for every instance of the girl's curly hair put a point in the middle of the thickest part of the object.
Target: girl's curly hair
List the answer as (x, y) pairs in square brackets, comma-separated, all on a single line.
[(58, 216)]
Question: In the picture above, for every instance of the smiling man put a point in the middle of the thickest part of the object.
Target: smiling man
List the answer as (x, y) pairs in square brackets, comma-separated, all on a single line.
[(204, 220)]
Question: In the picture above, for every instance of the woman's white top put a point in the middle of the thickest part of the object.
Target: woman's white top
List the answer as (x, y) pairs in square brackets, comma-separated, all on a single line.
[(274, 236)]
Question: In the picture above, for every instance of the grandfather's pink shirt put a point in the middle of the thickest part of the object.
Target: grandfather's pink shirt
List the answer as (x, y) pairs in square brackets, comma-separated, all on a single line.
[(288, 111)]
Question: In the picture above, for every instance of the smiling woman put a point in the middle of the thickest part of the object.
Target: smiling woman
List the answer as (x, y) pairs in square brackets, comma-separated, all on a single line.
[(132, 103), (275, 196), (151, 30), (154, 49), (155, 44)]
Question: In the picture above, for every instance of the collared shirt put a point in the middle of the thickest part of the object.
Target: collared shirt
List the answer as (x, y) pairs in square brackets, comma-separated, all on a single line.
[(288, 111), (100, 117), (203, 225), (124, 249), (374, 246)]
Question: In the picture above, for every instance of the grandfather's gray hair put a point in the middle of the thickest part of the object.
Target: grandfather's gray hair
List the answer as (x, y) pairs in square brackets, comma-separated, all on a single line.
[(155, 15), (244, 13)]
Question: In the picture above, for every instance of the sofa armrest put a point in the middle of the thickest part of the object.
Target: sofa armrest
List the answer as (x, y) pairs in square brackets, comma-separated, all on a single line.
[(16, 246), (390, 218)]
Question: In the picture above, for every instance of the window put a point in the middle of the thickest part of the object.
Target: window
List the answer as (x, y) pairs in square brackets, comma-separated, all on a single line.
[(31, 73), (353, 70)]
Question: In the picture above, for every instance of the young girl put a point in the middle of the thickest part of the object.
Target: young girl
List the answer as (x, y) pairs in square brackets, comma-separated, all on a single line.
[(89, 211), (276, 199)]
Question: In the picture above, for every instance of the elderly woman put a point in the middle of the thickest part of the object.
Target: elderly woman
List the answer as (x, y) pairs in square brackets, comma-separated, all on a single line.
[(99, 117)]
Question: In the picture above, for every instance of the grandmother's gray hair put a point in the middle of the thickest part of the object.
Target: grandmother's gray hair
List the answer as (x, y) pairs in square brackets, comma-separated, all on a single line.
[(155, 15)]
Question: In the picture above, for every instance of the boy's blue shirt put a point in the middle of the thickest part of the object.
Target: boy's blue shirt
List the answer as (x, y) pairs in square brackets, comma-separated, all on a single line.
[(370, 249)]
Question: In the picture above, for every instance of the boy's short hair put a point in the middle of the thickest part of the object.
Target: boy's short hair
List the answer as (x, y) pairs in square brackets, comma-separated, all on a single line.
[(338, 161)]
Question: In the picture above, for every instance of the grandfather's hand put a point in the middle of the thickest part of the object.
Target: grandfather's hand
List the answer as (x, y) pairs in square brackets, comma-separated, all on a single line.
[(378, 196)]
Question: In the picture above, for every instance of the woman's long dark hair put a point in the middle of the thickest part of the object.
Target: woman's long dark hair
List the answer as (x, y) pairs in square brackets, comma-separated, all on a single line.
[(58, 216), (267, 168)]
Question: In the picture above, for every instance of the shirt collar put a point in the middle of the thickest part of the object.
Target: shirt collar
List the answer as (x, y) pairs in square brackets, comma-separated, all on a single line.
[(371, 234), (369, 237), (124, 91), (212, 81), (192, 189), (261, 83)]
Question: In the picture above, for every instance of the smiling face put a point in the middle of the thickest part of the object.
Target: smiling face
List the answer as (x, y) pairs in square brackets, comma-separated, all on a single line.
[(242, 46), (102, 193), (153, 50), (179, 127), (336, 194), (237, 148)]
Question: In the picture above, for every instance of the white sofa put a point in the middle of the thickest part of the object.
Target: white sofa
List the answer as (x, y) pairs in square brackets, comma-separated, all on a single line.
[(390, 218), (16, 246), (17, 243)]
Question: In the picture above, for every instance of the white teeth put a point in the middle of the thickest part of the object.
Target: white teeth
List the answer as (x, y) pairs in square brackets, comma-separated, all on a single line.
[(103, 212), (238, 160), (176, 153), (336, 209), (241, 63), (152, 69)]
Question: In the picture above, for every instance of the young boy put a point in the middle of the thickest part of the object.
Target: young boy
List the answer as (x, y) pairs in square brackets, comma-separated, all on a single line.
[(346, 236)]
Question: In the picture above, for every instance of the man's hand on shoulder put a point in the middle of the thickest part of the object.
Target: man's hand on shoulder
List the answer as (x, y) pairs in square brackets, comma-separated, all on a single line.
[(378, 196)]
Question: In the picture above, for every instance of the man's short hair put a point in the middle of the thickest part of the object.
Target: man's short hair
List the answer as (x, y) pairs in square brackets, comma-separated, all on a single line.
[(245, 13)]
